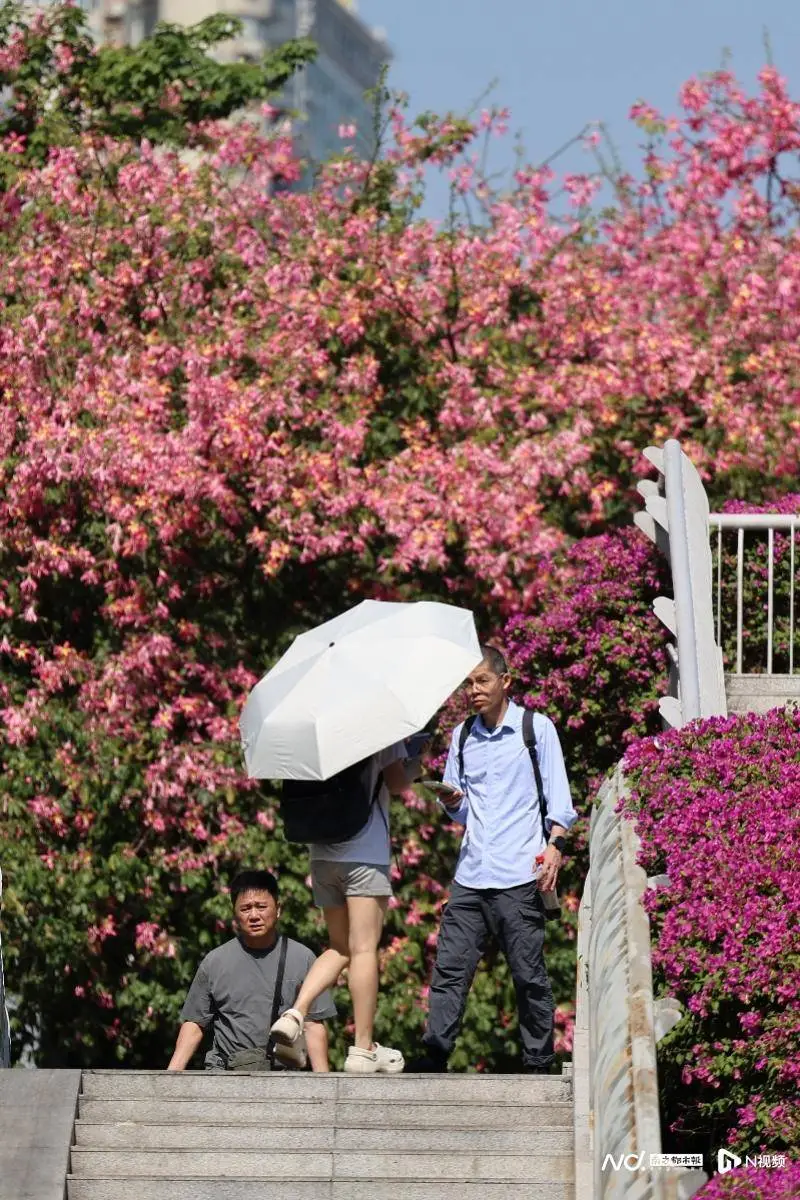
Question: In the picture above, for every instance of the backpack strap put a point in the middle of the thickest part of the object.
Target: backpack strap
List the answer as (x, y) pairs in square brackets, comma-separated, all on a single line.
[(466, 730), (529, 738), (276, 999)]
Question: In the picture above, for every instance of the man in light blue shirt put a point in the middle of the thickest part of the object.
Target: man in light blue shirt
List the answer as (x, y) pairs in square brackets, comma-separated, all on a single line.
[(496, 891)]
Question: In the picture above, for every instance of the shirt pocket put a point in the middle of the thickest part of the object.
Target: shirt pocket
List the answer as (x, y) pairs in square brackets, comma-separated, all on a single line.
[(475, 764)]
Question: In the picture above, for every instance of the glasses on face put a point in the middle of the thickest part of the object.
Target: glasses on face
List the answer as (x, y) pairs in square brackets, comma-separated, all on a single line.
[(481, 681)]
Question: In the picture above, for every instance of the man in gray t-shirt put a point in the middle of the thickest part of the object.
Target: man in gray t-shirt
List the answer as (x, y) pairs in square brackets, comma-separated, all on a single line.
[(234, 989)]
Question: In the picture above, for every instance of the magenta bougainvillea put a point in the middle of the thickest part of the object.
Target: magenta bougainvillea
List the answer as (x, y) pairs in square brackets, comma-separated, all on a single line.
[(772, 1182), (717, 806)]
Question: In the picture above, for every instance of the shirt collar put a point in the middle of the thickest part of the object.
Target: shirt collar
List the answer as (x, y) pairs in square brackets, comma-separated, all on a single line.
[(512, 720)]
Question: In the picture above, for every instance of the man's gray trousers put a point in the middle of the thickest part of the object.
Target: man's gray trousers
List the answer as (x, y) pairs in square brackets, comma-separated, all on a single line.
[(514, 917)]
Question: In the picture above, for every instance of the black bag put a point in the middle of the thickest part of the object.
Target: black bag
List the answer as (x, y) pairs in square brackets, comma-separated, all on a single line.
[(334, 810)]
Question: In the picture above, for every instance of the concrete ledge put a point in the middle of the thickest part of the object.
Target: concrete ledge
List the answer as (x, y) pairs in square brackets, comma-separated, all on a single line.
[(37, 1113), (760, 693)]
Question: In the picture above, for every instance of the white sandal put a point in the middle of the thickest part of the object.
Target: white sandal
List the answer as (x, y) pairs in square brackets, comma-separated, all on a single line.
[(288, 1027)]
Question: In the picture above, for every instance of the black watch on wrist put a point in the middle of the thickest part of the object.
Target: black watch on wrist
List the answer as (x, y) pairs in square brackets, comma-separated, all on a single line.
[(560, 844)]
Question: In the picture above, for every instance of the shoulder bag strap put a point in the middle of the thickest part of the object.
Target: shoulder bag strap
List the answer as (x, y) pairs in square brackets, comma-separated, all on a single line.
[(529, 738), (276, 999)]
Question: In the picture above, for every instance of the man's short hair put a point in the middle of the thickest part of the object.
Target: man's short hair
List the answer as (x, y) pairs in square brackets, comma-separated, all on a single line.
[(495, 658), (253, 881)]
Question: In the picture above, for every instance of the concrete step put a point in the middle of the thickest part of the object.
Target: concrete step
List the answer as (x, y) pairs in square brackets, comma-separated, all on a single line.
[(266, 1189), (759, 693), (126, 1135), (321, 1113), (198, 1085), (209, 1112), (312, 1165)]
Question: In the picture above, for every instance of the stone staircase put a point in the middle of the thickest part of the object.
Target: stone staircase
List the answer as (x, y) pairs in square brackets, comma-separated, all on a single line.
[(759, 693), (150, 1135)]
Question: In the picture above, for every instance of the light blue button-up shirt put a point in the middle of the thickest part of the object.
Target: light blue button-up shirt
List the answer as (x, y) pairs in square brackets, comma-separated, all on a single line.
[(500, 807)]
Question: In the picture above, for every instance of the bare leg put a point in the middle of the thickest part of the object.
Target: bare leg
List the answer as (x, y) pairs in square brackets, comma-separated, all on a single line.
[(365, 915), (330, 964)]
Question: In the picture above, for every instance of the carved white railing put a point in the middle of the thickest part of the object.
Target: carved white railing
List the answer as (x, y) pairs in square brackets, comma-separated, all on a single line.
[(5, 1032), (676, 518), (740, 524)]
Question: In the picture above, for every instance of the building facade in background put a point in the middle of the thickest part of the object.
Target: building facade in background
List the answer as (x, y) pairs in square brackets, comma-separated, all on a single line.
[(328, 94)]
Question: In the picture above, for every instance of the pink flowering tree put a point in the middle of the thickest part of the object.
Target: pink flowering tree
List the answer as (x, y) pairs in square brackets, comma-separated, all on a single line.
[(227, 411)]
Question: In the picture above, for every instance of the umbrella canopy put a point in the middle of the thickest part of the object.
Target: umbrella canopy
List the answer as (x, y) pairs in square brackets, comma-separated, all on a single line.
[(356, 684)]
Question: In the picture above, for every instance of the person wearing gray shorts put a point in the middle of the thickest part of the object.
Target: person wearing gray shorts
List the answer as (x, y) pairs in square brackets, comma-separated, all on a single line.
[(351, 885)]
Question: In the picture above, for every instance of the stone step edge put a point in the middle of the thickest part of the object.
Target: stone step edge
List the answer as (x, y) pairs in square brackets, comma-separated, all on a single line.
[(141, 1180), (121, 1073), (288, 1080), (84, 1124), (117, 1150), (402, 1101)]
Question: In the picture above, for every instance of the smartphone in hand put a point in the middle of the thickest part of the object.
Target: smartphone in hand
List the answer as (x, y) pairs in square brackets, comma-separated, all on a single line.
[(450, 796)]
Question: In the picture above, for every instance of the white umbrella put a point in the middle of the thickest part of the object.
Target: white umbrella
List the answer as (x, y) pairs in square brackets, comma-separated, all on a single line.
[(356, 684)]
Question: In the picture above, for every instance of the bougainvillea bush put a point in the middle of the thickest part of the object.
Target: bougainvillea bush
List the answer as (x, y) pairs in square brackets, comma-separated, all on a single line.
[(754, 1183), (717, 806), (228, 411)]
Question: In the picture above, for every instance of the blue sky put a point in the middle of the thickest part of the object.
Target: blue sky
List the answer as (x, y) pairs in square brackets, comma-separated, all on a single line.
[(559, 65)]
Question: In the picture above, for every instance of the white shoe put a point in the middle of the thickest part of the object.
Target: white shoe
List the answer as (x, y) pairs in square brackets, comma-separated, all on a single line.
[(288, 1028), (294, 1057), (379, 1060)]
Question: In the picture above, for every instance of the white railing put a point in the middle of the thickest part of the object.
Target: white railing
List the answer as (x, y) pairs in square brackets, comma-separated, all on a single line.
[(770, 523), (5, 1032)]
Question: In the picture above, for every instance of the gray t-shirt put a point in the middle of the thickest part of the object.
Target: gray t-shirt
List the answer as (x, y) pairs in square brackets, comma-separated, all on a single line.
[(233, 992)]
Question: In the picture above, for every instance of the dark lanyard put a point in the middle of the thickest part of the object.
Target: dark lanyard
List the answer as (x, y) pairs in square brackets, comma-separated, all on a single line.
[(276, 999)]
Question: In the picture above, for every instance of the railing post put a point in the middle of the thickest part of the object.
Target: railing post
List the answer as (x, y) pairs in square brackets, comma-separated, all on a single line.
[(682, 579), (677, 509)]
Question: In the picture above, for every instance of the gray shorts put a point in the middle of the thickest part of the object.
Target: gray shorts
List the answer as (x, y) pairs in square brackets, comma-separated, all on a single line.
[(333, 882)]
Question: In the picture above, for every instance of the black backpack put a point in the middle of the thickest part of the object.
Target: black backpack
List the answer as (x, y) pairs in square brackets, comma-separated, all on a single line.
[(333, 810)]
